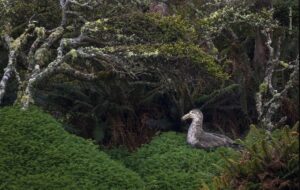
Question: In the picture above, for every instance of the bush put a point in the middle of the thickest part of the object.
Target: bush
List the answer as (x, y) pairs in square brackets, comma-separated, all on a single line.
[(36, 153), (169, 163), (266, 164), (117, 153)]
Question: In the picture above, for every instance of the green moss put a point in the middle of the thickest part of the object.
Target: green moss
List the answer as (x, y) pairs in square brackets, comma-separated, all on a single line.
[(196, 55), (169, 163), (36, 153), (42, 56), (73, 54), (40, 31), (18, 13), (140, 28), (151, 39), (229, 15), (263, 88), (22, 39), (284, 64), (180, 51)]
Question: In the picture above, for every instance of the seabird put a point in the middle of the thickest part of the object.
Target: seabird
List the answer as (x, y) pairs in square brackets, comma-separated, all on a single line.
[(198, 138)]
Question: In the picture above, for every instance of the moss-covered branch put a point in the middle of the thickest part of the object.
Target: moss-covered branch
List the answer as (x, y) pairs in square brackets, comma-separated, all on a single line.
[(268, 99), (14, 46)]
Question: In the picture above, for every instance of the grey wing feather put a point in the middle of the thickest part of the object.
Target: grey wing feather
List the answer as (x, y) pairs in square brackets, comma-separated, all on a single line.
[(211, 140), (229, 140)]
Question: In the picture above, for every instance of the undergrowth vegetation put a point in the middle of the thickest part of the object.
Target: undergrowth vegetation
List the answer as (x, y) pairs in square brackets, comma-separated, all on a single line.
[(167, 162), (36, 153), (266, 162), (123, 72), (269, 162)]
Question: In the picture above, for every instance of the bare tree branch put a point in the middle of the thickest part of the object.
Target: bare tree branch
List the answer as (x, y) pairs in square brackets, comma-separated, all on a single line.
[(268, 99), (14, 48)]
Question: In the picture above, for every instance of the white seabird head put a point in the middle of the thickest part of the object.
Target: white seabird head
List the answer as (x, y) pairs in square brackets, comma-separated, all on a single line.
[(194, 114)]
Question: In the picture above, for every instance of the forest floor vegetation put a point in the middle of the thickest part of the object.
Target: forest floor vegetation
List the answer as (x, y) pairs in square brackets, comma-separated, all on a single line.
[(37, 153)]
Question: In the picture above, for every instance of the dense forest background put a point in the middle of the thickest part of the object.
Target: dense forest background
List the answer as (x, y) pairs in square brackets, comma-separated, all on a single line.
[(123, 72)]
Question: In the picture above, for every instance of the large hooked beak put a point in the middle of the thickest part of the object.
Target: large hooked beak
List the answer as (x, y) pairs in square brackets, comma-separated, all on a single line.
[(186, 116)]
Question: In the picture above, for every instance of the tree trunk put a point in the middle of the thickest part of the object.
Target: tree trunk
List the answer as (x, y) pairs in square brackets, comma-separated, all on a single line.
[(261, 51)]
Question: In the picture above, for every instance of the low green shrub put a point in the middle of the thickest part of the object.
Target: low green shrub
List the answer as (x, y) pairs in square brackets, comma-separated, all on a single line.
[(117, 153), (169, 163), (36, 153), (267, 163)]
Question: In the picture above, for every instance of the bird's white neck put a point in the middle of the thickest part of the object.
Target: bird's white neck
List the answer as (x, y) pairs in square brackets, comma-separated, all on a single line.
[(195, 128)]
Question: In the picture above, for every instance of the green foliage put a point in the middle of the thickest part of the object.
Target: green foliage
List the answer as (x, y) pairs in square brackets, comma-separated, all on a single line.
[(217, 95), (17, 13), (117, 153), (36, 153), (281, 12), (269, 162), (139, 28), (168, 53), (169, 163), (148, 35), (161, 61), (240, 14), (172, 63), (195, 54)]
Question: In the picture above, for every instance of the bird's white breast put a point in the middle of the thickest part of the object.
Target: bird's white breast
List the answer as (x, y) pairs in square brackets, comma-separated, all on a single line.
[(191, 136)]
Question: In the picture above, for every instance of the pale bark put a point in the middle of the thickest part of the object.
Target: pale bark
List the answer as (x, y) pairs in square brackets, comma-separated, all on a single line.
[(14, 46), (38, 67), (8, 73), (268, 99)]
